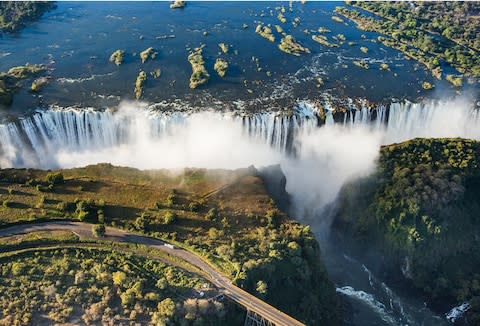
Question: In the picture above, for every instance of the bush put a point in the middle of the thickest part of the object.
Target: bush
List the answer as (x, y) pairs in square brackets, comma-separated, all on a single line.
[(194, 206), (272, 217), (55, 178), (100, 216), (169, 217), (83, 210), (141, 223), (171, 199), (7, 203), (98, 230), (211, 215), (62, 206)]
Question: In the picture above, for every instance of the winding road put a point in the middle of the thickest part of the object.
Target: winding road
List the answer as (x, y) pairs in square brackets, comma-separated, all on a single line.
[(247, 300)]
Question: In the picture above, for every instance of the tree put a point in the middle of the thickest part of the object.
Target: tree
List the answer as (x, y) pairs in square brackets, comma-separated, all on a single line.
[(262, 287), (211, 215), (225, 223), (55, 178), (169, 217), (141, 223), (194, 206), (171, 199), (166, 308), (119, 278), (98, 230), (272, 217)]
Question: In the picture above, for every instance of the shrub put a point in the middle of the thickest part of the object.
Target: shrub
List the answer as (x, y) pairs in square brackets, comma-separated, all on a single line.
[(141, 223), (262, 287), (98, 230), (194, 206), (272, 217), (55, 178), (82, 211), (211, 215), (169, 217), (7, 203), (62, 206), (171, 199), (100, 216)]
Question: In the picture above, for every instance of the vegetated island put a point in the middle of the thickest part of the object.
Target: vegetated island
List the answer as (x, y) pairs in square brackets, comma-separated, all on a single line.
[(226, 217), (430, 32), (421, 212), (11, 81), (15, 15)]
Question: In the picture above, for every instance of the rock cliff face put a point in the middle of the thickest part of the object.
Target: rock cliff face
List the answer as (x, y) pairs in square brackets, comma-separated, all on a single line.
[(420, 212)]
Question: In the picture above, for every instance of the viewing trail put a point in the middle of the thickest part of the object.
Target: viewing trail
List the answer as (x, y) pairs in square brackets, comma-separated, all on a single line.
[(247, 300)]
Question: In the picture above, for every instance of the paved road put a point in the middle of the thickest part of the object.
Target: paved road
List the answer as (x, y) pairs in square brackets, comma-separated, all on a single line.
[(240, 296)]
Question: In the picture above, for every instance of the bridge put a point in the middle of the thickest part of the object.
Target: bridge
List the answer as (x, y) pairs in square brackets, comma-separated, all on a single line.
[(259, 313)]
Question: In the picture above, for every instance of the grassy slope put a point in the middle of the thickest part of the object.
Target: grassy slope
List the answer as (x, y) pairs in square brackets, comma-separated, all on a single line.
[(422, 206), (235, 224)]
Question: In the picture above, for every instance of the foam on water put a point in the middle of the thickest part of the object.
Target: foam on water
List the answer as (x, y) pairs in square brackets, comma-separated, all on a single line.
[(370, 301), (457, 312)]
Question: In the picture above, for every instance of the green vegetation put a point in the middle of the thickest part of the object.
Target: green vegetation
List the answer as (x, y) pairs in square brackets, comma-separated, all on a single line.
[(156, 73), (362, 64), (10, 81), (337, 19), (38, 83), (455, 81), (290, 46), (223, 47), (141, 78), (98, 230), (322, 39), (148, 53), (226, 217), (421, 211), (16, 14), (429, 32), (265, 32), (427, 85), (323, 30), (69, 284), (200, 74), (221, 67), (280, 30), (117, 57)]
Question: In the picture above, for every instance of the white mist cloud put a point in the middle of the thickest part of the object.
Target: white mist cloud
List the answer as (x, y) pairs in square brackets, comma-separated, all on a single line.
[(328, 158), (204, 140)]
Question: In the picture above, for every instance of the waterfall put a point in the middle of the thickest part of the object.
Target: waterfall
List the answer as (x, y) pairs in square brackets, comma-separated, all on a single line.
[(32, 141)]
